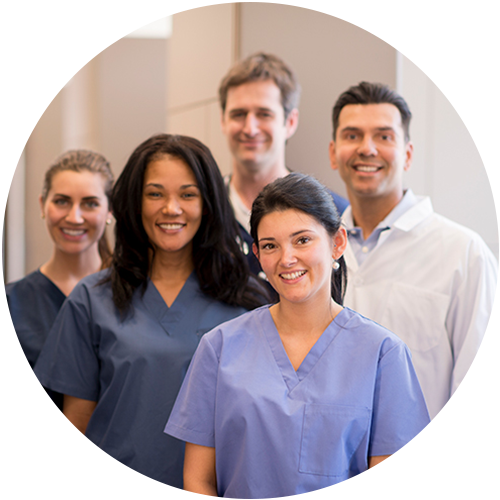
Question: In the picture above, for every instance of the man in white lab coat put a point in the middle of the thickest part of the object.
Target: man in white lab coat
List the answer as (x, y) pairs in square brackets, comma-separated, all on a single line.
[(427, 279)]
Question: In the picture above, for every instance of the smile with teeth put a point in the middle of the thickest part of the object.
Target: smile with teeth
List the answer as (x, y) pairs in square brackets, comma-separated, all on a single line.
[(171, 226), (293, 276), (73, 232), (366, 168)]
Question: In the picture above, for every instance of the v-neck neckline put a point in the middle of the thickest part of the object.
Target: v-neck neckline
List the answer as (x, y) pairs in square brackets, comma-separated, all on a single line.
[(291, 376), (178, 309)]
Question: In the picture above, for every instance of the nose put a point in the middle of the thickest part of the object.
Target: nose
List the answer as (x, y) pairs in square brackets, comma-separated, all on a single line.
[(251, 125), (367, 147), (172, 207), (288, 258), (75, 215)]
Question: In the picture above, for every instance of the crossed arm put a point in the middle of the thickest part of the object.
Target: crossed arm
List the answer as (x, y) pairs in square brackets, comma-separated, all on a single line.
[(386, 475)]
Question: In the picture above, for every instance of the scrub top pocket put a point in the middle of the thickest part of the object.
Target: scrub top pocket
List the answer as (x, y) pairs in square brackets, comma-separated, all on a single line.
[(331, 434)]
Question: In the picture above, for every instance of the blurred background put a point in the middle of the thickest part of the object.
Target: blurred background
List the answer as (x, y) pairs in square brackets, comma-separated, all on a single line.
[(165, 76)]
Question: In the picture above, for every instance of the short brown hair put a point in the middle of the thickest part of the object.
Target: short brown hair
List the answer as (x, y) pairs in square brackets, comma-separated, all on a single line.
[(259, 67), (372, 93)]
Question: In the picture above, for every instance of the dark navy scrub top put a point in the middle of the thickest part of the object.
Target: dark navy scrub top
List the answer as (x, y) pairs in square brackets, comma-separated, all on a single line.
[(132, 368), (28, 309)]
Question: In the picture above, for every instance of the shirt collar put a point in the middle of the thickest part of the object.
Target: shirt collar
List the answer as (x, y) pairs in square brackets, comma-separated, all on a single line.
[(405, 215)]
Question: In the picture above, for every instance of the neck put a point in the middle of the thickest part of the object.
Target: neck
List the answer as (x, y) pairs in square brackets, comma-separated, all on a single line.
[(368, 213), (249, 183), (308, 319), (172, 267), (66, 270)]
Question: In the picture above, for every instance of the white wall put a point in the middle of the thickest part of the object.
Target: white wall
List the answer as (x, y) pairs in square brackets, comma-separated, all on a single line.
[(451, 79), (41, 37)]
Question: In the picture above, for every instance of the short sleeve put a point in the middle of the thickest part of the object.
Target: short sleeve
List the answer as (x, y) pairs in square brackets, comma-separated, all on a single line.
[(399, 409), (69, 362), (193, 416)]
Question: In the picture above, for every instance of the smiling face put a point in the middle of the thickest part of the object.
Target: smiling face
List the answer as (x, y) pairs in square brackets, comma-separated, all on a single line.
[(255, 126), (172, 205), (75, 210), (296, 253), (370, 151)]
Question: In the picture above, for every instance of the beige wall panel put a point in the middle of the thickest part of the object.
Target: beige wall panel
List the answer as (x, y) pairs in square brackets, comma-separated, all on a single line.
[(201, 50), (192, 122), (116, 98), (44, 145), (328, 56), (80, 113), (217, 141), (132, 102)]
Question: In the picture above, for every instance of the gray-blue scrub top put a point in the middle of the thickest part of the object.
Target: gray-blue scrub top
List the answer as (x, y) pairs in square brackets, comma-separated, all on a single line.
[(279, 432), (132, 368)]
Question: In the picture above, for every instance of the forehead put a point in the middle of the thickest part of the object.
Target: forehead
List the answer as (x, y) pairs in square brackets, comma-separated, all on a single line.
[(170, 170), (284, 223), (258, 94), (75, 184), (366, 116)]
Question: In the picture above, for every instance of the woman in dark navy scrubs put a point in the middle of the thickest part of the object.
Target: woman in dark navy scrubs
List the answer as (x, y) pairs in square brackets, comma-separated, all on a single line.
[(75, 206), (123, 341)]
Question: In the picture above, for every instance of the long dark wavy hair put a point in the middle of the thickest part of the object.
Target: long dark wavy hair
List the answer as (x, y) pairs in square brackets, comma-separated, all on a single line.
[(304, 193), (220, 266)]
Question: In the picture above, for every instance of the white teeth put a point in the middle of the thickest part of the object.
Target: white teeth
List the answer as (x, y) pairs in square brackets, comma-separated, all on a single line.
[(367, 169), (73, 232), (292, 276), (170, 226)]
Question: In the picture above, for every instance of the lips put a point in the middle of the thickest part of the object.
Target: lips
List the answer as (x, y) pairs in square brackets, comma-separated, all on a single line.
[(73, 232), (292, 276), (368, 169), (171, 226)]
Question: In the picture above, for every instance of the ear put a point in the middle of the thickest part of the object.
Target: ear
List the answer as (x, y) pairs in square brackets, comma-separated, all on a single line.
[(222, 122), (409, 155), (333, 156), (255, 250), (42, 208), (292, 122), (339, 243)]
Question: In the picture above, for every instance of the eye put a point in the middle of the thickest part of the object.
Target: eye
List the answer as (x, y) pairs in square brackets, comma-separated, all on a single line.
[(267, 246), (265, 114), (189, 195), (91, 204), (60, 202), (303, 240), (153, 194)]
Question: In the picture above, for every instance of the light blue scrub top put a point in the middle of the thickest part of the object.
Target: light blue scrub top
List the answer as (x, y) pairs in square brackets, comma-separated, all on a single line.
[(133, 369), (279, 432)]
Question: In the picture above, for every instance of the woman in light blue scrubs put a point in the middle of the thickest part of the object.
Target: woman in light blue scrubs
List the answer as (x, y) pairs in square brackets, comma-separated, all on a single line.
[(124, 338), (303, 394)]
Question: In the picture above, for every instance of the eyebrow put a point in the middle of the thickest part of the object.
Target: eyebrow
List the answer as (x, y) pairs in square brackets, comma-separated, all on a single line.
[(291, 236), (160, 186), (245, 110), (66, 197), (356, 129)]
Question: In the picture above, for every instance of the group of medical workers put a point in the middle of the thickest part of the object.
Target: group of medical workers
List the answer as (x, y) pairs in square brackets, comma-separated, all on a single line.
[(257, 335)]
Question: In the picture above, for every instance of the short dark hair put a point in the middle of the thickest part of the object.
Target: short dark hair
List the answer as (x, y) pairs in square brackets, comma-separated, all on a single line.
[(304, 193), (83, 160), (372, 93), (260, 67), (220, 266)]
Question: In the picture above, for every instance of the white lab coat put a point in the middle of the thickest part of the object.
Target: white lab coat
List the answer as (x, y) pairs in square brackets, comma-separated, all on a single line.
[(432, 282)]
